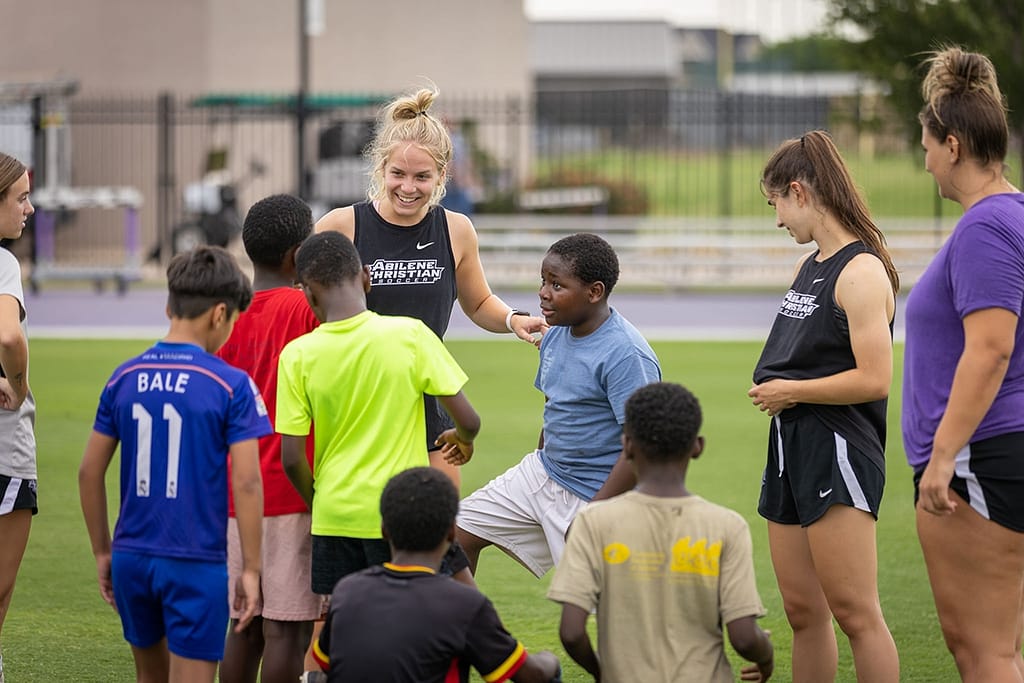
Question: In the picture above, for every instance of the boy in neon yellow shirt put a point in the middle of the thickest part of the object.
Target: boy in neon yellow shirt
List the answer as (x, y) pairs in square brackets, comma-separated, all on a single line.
[(358, 380)]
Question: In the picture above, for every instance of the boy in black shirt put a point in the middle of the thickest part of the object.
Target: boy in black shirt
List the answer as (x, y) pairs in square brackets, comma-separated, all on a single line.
[(433, 627)]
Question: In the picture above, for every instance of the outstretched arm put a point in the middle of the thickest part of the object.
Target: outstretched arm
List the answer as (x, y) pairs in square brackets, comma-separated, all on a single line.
[(478, 302), (92, 493)]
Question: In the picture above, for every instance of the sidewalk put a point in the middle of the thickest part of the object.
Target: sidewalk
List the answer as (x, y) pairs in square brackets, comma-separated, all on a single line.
[(139, 314)]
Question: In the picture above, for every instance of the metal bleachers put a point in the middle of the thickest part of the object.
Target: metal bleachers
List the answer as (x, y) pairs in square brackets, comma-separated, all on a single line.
[(679, 252)]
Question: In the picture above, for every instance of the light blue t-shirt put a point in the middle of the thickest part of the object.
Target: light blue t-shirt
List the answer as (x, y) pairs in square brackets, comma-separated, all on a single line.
[(586, 381)]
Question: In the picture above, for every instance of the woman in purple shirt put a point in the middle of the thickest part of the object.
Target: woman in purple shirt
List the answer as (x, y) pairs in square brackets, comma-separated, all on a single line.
[(963, 389)]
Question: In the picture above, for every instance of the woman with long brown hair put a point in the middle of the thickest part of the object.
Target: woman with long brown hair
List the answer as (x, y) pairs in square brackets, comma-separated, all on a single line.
[(17, 406), (824, 377)]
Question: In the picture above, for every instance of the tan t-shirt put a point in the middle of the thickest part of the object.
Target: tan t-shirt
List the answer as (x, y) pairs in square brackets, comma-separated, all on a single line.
[(664, 575)]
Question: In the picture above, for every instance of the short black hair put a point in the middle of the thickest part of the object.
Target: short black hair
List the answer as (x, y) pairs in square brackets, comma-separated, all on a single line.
[(204, 277), (274, 225), (592, 259), (328, 259), (418, 508), (664, 420)]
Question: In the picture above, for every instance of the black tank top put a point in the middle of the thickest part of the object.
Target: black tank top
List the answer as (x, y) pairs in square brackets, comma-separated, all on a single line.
[(412, 269), (811, 338), (412, 273)]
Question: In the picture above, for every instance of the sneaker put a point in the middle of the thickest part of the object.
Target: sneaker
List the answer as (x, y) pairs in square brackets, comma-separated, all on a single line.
[(307, 677)]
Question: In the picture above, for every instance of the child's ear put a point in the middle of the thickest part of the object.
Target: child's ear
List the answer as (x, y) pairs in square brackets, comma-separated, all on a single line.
[(698, 448), (595, 291), (627, 446), (219, 314), (366, 279), (288, 263)]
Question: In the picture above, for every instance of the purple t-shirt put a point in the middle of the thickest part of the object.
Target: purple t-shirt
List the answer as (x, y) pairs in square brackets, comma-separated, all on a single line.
[(980, 266)]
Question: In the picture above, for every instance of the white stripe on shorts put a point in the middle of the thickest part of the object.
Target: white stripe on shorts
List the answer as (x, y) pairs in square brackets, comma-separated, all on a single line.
[(974, 490), (860, 501), (778, 438), (10, 495)]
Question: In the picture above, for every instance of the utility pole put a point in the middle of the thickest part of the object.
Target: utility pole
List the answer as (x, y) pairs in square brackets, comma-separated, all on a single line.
[(302, 185)]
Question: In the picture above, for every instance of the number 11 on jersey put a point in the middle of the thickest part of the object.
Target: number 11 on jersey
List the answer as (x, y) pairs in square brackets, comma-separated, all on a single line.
[(144, 441)]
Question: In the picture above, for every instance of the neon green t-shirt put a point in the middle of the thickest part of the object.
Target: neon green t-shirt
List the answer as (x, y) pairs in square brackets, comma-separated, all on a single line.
[(360, 381)]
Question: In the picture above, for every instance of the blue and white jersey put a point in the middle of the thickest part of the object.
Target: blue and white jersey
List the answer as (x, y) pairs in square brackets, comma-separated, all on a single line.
[(176, 411)]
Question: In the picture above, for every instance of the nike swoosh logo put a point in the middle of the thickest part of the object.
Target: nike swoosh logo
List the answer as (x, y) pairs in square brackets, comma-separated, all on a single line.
[(423, 246), (822, 494), (817, 280)]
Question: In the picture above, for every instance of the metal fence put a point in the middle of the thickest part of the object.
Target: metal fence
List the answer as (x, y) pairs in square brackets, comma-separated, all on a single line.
[(667, 153)]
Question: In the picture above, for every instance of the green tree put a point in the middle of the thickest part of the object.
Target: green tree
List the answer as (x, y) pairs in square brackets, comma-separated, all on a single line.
[(900, 32), (816, 52)]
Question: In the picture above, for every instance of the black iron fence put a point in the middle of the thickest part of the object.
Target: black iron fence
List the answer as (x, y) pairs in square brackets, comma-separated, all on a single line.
[(637, 152)]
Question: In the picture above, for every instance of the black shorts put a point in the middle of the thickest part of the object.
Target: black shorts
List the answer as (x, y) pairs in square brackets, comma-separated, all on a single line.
[(335, 557), (17, 494), (438, 420), (811, 468), (989, 475)]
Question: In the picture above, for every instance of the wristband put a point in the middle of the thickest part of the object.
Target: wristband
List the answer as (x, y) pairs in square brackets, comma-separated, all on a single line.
[(508, 317)]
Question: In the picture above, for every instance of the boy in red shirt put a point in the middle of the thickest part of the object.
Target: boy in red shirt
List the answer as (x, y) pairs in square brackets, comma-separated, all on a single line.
[(274, 228)]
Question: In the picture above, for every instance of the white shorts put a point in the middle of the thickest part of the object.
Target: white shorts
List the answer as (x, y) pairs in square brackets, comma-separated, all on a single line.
[(524, 512), (287, 552)]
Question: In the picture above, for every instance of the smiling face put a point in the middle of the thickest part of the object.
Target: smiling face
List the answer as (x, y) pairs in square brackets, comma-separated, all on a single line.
[(411, 177), (15, 208), (564, 298)]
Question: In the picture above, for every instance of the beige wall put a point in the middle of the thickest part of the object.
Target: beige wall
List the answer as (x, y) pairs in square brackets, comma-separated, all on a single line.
[(145, 46), (128, 45)]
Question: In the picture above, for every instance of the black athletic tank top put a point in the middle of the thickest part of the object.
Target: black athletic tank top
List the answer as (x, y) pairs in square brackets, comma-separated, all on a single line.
[(412, 273), (412, 269), (811, 338)]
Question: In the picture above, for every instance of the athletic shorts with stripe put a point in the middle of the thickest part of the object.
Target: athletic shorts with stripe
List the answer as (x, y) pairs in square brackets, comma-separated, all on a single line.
[(989, 475), (811, 468), (17, 494)]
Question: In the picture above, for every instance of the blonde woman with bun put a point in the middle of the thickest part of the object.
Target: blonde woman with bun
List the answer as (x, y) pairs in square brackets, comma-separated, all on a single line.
[(422, 257), (963, 386)]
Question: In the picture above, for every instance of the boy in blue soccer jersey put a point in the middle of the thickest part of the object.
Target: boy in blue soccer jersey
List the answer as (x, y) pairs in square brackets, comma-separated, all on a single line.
[(178, 413)]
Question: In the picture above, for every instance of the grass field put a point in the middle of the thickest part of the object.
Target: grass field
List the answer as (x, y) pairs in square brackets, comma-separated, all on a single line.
[(60, 630), (718, 184)]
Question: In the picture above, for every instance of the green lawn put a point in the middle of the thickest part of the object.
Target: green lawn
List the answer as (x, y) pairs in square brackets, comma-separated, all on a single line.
[(719, 184), (60, 630)]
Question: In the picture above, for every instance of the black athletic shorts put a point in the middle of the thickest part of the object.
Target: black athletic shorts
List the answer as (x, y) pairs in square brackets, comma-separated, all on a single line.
[(17, 494), (989, 475), (438, 420), (811, 468), (335, 557)]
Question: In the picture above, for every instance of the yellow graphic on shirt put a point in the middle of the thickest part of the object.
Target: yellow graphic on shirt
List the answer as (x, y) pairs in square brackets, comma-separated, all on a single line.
[(698, 558), (616, 553)]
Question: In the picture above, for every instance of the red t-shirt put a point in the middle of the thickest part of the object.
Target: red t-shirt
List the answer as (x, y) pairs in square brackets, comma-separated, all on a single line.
[(275, 317)]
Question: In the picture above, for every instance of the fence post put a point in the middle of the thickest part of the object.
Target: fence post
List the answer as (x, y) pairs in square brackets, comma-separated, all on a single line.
[(165, 180), (725, 158)]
